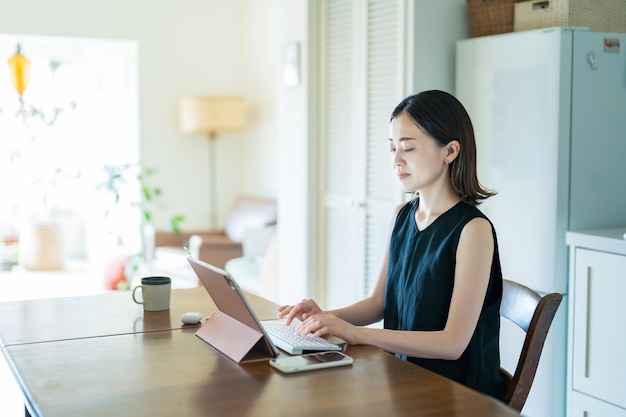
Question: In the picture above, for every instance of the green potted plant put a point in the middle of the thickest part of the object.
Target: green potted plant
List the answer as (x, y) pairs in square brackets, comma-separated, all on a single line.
[(122, 270)]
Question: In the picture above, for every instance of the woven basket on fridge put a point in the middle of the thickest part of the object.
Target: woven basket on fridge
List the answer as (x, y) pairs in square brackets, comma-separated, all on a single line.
[(598, 15), (489, 17)]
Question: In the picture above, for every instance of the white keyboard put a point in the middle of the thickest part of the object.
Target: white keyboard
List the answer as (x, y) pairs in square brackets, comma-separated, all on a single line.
[(284, 337)]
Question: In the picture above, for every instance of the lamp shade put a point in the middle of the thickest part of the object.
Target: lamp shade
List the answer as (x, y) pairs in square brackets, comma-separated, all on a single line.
[(211, 114)]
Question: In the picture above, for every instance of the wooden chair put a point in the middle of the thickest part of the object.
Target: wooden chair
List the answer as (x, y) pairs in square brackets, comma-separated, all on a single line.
[(533, 314)]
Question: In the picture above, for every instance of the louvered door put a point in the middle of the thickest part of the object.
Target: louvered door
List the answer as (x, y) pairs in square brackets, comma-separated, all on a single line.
[(363, 78)]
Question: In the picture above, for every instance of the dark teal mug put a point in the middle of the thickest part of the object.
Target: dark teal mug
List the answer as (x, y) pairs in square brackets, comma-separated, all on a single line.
[(155, 293)]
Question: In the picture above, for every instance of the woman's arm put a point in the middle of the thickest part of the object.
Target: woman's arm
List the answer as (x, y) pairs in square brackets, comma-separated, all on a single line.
[(361, 313), (473, 266), (369, 310)]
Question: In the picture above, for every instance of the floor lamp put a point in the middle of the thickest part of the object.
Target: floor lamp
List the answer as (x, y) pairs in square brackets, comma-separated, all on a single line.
[(210, 115)]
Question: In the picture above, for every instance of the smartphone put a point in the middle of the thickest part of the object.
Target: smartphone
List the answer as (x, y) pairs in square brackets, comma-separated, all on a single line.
[(310, 361)]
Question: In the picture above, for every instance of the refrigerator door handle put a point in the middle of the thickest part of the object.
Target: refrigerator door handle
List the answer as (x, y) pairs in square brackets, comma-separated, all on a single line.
[(592, 59)]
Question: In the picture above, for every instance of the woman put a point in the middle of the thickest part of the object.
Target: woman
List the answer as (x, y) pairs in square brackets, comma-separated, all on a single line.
[(440, 286)]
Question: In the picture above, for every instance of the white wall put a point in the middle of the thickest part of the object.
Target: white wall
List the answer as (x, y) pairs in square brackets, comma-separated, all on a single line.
[(294, 204), (437, 27), (262, 55), (192, 47)]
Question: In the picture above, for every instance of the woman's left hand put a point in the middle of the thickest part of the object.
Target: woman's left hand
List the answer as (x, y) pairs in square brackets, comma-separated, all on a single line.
[(326, 323)]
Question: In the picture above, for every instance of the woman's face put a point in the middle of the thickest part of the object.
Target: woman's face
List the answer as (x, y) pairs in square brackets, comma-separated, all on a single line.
[(417, 159)]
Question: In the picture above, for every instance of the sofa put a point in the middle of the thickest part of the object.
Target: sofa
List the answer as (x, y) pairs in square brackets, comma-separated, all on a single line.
[(217, 246)]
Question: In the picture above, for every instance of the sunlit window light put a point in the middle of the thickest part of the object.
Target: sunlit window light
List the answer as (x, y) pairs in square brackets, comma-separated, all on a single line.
[(85, 96)]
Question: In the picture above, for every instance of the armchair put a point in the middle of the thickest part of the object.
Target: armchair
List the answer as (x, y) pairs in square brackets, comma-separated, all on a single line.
[(217, 246)]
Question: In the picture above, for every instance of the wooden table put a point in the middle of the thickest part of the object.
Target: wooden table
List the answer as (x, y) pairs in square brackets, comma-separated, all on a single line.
[(105, 314), (134, 364)]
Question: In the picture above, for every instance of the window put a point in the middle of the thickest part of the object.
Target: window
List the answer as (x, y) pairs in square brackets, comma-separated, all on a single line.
[(78, 115)]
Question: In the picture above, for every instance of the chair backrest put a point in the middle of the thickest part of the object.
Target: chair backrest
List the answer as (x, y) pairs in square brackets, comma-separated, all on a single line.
[(533, 314)]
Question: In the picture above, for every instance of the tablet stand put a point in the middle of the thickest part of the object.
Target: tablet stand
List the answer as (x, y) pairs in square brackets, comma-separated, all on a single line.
[(233, 338)]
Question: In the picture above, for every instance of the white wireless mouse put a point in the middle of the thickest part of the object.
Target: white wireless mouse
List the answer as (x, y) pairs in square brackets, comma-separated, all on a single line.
[(191, 318)]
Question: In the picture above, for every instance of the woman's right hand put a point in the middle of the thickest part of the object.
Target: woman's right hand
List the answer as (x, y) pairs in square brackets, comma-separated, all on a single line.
[(301, 311)]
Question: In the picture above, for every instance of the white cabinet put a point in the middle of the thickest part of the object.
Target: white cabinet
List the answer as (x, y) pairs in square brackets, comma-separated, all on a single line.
[(597, 324)]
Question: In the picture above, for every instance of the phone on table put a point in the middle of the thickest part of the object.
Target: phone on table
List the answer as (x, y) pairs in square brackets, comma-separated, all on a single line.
[(310, 361)]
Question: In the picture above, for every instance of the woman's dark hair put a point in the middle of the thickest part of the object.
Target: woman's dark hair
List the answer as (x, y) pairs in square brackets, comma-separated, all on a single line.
[(443, 117)]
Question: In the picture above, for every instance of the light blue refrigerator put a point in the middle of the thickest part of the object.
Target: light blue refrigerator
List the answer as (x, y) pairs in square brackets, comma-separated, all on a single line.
[(549, 113)]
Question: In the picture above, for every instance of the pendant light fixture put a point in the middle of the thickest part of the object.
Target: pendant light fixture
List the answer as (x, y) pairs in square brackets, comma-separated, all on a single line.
[(19, 71)]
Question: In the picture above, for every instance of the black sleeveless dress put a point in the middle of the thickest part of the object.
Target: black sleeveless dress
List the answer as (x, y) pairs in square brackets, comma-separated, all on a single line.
[(420, 280)]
